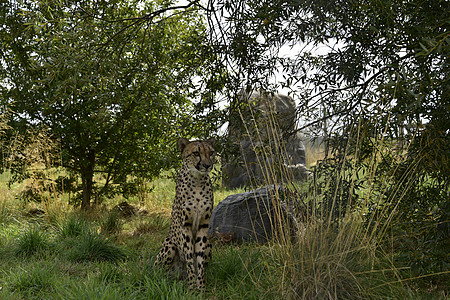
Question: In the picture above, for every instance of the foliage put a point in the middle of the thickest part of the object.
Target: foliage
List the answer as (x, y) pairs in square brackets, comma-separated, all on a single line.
[(113, 81), (372, 79)]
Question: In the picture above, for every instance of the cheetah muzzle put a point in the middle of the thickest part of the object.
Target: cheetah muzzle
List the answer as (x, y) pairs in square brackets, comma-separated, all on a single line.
[(187, 242)]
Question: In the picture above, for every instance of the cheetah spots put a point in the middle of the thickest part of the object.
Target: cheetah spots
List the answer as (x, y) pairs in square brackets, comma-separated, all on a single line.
[(191, 208)]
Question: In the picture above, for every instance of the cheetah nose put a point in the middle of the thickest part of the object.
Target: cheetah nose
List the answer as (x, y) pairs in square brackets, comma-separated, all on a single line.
[(206, 166)]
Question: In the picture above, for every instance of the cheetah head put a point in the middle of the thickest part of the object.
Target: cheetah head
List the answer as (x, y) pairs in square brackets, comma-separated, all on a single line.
[(198, 156)]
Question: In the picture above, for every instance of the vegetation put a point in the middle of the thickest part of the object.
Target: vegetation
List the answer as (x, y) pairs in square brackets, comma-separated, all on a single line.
[(371, 79), (113, 95), (94, 95)]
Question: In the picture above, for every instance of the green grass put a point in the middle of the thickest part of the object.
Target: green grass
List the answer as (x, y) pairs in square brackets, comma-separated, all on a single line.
[(99, 255), (71, 227), (94, 247), (34, 281), (33, 241)]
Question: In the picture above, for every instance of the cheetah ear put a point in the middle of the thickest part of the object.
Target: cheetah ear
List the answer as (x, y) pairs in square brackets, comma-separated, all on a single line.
[(182, 142), (211, 141)]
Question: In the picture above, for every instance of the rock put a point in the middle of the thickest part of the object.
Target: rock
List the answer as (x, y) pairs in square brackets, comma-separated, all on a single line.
[(249, 216), (267, 138), (126, 210), (35, 212)]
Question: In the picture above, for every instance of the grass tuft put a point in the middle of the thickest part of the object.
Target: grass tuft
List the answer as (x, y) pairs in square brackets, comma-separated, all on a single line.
[(72, 227), (94, 247), (32, 241), (111, 224)]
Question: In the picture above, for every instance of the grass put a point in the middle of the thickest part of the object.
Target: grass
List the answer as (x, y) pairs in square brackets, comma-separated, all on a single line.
[(36, 281), (100, 255), (94, 247), (33, 241), (63, 254)]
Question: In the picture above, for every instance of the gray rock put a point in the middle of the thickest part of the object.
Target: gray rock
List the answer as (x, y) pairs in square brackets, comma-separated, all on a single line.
[(249, 216), (266, 142)]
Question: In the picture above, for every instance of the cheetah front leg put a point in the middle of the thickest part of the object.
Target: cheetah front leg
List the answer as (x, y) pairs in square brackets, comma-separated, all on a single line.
[(167, 253), (188, 254), (202, 253)]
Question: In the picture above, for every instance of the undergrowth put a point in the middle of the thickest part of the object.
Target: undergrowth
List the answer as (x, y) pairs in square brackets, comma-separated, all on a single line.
[(62, 253)]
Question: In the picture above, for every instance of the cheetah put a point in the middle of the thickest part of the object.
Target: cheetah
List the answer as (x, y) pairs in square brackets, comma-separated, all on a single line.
[(187, 242)]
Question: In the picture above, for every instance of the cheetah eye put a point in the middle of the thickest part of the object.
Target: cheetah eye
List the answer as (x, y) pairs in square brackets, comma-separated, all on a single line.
[(196, 153)]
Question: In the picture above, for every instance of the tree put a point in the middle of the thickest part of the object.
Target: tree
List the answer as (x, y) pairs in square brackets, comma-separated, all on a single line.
[(380, 68), (385, 61), (114, 81)]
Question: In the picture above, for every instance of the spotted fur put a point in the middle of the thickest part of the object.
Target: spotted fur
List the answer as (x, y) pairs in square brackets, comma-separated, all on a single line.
[(187, 242)]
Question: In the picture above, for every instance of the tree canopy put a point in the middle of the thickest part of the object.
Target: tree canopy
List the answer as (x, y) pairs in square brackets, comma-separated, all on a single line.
[(386, 62), (114, 81), (367, 72)]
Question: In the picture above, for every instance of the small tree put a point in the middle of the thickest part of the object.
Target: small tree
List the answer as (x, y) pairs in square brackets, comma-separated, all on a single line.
[(113, 81)]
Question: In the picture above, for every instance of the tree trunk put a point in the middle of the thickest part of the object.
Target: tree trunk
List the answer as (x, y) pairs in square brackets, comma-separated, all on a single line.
[(87, 179)]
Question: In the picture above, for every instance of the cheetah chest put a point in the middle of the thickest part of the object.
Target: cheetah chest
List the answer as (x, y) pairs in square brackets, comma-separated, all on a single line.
[(198, 209)]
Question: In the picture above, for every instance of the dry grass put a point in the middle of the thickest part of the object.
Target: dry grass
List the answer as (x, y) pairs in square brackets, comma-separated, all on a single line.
[(324, 260), (329, 258)]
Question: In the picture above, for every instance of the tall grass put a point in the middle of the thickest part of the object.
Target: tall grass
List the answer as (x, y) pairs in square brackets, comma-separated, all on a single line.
[(4, 211), (97, 255), (334, 253)]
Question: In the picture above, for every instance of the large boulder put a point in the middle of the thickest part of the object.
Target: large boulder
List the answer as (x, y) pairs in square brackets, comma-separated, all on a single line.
[(250, 216), (265, 140)]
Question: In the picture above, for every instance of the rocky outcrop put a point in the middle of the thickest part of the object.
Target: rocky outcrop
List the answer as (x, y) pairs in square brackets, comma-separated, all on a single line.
[(266, 143), (250, 216)]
